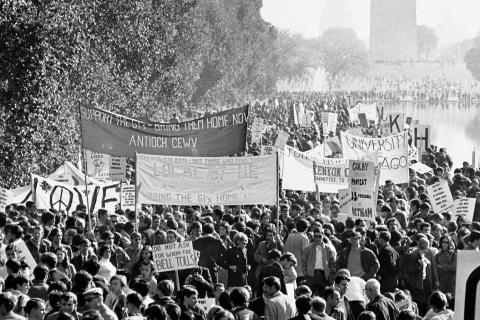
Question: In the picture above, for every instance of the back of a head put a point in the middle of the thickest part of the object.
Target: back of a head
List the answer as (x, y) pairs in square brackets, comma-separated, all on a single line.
[(8, 300), (319, 304), (92, 315), (367, 315), (135, 299), (173, 311), (303, 304), (156, 312), (166, 287), (239, 297), (406, 315), (223, 315)]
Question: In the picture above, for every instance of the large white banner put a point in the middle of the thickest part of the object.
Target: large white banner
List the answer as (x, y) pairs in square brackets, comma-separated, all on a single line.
[(392, 154), (330, 174), (297, 173), (53, 194), (212, 180)]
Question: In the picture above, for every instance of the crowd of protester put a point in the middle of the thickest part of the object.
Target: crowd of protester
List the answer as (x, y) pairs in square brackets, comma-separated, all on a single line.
[(297, 261)]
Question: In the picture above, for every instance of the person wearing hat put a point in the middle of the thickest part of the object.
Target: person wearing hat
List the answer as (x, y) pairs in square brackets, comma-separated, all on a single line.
[(94, 300)]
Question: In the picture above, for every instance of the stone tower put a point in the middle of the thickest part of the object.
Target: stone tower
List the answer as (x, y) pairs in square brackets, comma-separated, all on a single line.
[(393, 30)]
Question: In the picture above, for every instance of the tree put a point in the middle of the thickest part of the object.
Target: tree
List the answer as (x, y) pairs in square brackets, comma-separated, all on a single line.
[(427, 42), (342, 53), (472, 58)]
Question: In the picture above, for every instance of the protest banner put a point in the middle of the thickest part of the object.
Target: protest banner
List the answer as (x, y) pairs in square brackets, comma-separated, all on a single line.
[(97, 165), (421, 136), (345, 201), (206, 181), (174, 256), (70, 174), (464, 208), (127, 198), (370, 111), (362, 183), (392, 154), (320, 151), (282, 139), (267, 150), (330, 174), (52, 194), (221, 134), (361, 175), (395, 122), (24, 254), (421, 168), (467, 295), (329, 122), (118, 168), (257, 130), (440, 196), (104, 167), (297, 171), (206, 303)]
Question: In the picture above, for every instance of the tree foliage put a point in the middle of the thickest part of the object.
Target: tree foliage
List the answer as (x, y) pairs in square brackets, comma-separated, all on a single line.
[(138, 57), (427, 42), (472, 59), (342, 53)]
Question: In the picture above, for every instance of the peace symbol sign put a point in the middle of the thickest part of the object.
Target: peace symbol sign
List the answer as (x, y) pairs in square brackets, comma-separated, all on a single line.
[(62, 197)]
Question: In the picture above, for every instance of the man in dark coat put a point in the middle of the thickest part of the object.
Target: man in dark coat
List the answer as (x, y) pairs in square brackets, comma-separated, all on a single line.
[(383, 307), (210, 248), (388, 258)]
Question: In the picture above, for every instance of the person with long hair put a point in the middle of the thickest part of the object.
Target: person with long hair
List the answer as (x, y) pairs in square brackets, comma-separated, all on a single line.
[(107, 269), (446, 260), (146, 254), (55, 237), (63, 262), (439, 307)]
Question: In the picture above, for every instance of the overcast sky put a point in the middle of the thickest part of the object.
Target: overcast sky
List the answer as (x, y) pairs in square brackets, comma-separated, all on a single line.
[(306, 16)]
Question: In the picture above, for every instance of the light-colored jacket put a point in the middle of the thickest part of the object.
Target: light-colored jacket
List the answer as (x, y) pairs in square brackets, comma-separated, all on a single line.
[(328, 260)]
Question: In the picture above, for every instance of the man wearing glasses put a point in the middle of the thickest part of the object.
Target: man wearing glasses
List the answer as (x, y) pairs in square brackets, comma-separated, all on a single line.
[(318, 263), (94, 300)]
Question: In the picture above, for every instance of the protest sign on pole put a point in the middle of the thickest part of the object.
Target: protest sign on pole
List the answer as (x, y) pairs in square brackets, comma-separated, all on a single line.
[(362, 182), (421, 137), (330, 174), (24, 254), (118, 168), (127, 198), (297, 171), (467, 295), (206, 181), (440, 196), (174, 256), (282, 139), (98, 165), (220, 134), (257, 130), (464, 208), (395, 122), (52, 194), (345, 201), (392, 154)]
